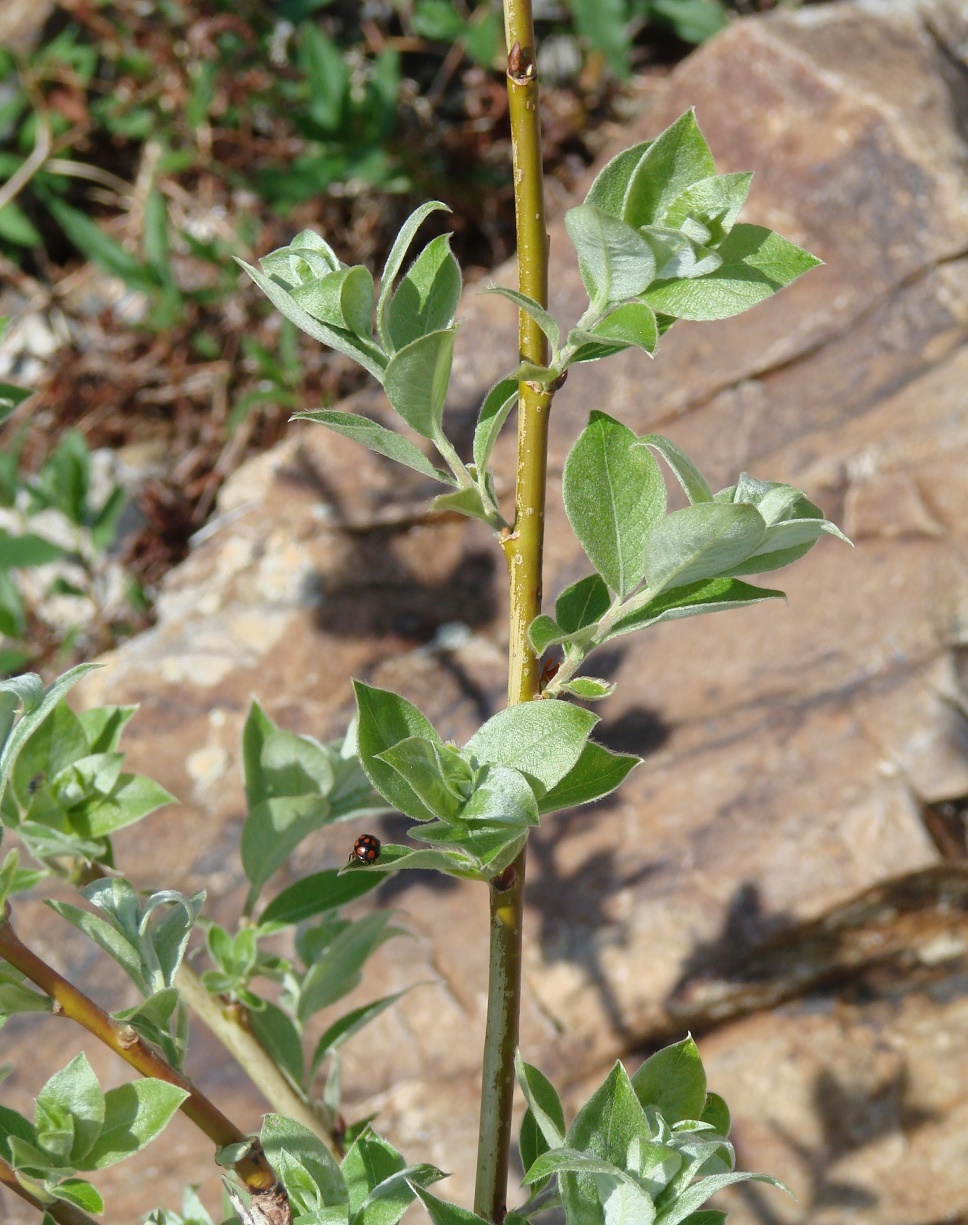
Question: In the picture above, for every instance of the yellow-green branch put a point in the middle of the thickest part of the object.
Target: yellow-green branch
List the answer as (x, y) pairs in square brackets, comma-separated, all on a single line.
[(523, 547)]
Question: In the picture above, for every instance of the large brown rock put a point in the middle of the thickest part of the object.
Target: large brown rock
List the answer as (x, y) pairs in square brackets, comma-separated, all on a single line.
[(792, 752)]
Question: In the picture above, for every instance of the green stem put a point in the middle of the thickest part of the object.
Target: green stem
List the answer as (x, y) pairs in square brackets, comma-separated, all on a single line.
[(253, 1169), (62, 1212), (523, 553), (251, 1055)]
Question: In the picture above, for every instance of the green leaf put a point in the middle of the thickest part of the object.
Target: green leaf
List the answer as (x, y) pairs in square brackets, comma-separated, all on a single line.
[(543, 1102), (36, 704), (690, 600), (17, 995), (316, 894), (615, 261), (394, 857), (16, 227), (443, 1213), (756, 263), (716, 1113), (544, 632), (398, 253), (684, 470), (632, 323), (436, 773), (543, 318), (292, 1149), (710, 1216), (494, 412), (701, 541), (133, 1115), (272, 831), (335, 338), (714, 202), (467, 502), (343, 299), (673, 1081), (426, 299), (74, 1091), (613, 498), (376, 438), (502, 796), (416, 381), (131, 798), (542, 740), (349, 1024), (604, 24), (588, 688), (103, 725), (696, 1195), (280, 1036), (13, 617), (583, 604), (678, 158), (597, 772), (80, 1193), (118, 946), (385, 719), (27, 549), (337, 971), (608, 190), (691, 20), (97, 246)]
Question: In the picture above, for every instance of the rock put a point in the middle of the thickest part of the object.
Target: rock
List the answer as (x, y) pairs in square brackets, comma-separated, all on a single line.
[(791, 751)]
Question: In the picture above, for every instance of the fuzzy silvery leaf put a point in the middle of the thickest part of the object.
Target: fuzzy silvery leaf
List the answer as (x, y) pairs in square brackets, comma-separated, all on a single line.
[(702, 541), (680, 255), (302, 1163), (608, 190), (398, 253), (394, 857), (756, 263), (73, 1091), (715, 202), (416, 381), (684, 470), (436, 773), (343, 299), (385, 719), (690, 600), (340, 339), (18, 995), (673, 1081), (427, 296), (316, 894), (678, 158), (469, 502), (631, 324), (494, 412), (78, 1192), (696, 1195), (614, 498), (389, 1196), (134, 1114), (588, 688), (543, 1102), (375, 437), (501, 796), (121, 948), (785, 543), (542, 317), (442, 1212), (542, 740), (597, 772), (615, 261), (131, 798), (35, 703)]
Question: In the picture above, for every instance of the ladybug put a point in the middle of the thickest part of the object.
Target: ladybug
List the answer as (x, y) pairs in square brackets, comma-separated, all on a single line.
[(366, 848)]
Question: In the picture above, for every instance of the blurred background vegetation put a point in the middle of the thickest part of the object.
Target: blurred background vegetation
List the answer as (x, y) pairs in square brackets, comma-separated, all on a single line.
[(146, 142)]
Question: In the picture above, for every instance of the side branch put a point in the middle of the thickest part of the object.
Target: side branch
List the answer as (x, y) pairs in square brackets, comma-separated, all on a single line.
[(253, 1169), (60, 1211)]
